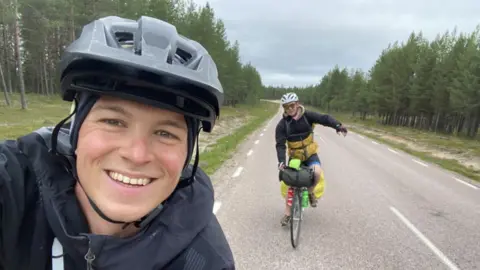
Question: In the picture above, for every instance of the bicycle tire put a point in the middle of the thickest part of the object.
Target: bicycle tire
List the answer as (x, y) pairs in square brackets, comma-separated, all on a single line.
[(296, 215)]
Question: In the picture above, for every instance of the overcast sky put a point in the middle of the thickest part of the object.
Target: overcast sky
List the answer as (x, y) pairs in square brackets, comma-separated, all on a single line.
[(295, 42)]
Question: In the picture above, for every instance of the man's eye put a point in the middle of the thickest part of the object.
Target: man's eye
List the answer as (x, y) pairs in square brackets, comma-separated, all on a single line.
[(166, 134), (112, 122)]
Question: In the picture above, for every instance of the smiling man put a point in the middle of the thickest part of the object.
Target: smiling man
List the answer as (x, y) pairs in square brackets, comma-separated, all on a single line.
[(137, 150), (115, 187)]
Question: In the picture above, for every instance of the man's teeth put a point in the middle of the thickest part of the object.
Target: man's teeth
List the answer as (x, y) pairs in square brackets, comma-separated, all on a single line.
[(127, 180)]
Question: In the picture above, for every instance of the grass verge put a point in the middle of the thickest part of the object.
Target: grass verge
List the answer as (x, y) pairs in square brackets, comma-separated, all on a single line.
[(224, 147), (41, 111), (449, 152), (449, 164)]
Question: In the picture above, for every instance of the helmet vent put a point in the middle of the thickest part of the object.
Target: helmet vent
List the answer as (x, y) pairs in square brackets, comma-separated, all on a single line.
[(124, 39)]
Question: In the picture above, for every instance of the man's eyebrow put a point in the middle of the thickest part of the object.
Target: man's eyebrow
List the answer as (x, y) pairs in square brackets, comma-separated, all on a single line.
[(114, 108)]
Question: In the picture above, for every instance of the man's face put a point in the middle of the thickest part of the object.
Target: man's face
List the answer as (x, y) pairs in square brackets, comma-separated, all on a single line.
[(291, 108), (130, 156)]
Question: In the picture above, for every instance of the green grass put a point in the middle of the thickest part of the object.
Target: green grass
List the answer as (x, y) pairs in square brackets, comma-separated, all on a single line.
[(41, 111), (224, 148), (449, 164), (430, 141), (449, 143)]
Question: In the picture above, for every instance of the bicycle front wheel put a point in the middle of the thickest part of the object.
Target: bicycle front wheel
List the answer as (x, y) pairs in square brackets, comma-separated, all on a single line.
[(296, 218)]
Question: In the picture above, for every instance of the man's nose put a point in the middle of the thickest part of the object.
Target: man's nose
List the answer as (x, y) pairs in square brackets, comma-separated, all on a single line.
[(138, 151)]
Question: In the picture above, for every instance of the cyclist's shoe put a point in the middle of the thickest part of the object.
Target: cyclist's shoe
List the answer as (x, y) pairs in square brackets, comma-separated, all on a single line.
[(285, 220), (312, 199)]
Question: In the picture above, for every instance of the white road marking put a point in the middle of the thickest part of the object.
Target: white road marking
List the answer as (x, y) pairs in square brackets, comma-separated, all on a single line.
[(250, 152), (424, 239), (216, 207), (270, 121), (361, 136), (261, 135), (237, 172), (393, 151), (321, 139), (256, 142), (419, 162), (374, 142), (465, 183), (264, 129)]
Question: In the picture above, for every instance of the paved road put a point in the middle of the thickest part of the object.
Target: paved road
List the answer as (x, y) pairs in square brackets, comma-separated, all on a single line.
[(381, 210)]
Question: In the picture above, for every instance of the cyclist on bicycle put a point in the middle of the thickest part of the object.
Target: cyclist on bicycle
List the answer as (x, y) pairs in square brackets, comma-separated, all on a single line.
[(115, 189), (296, 130)]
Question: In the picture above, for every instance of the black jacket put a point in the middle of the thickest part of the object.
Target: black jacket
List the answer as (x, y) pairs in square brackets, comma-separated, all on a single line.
[(299, 130), (37, 204)]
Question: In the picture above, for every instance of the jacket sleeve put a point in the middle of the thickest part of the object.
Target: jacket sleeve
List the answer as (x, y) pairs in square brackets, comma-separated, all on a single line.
[(209, 250), (13, 192), (322, 119), (222, 256), (280, 141)]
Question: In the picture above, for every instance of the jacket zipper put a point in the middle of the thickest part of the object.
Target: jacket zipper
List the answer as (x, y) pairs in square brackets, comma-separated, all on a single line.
[(89, 257)]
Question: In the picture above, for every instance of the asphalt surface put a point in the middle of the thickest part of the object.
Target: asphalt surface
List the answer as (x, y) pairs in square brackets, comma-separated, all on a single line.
[(381, 210)]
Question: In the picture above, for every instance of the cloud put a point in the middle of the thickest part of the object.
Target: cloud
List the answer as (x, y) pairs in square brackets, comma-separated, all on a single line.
[(297, 42)]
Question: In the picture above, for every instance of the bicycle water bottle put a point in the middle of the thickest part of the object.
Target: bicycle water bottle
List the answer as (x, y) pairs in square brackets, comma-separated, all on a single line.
[(305, 199), (289, 196)]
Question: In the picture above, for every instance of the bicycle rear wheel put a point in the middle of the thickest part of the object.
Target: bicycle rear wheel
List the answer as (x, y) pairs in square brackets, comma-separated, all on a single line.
[(296, 217)]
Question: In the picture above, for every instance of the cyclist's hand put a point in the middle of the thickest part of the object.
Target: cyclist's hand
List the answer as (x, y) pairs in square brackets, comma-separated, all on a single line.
[(281, 166), (342, 129)]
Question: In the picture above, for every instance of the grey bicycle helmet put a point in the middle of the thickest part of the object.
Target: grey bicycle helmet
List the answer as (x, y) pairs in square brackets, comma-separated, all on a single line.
[(144, 60)]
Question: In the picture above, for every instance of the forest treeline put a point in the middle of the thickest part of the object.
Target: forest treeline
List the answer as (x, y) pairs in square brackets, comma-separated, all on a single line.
[(429, 85), (34, 33)]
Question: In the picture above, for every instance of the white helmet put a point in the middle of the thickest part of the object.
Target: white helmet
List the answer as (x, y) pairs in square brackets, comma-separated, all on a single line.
[(289, 97)]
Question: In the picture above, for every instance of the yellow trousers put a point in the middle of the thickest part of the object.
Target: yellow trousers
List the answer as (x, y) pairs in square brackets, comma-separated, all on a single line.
[(318, 190)]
